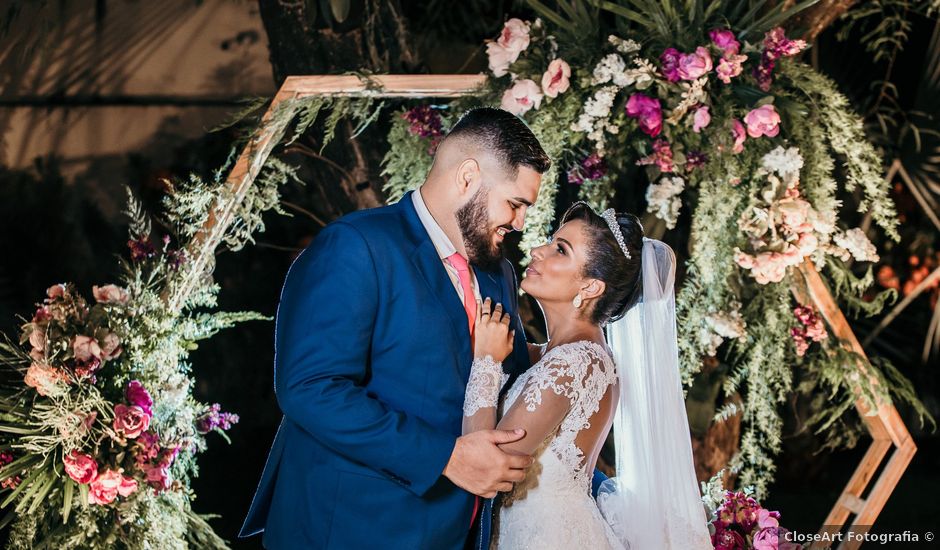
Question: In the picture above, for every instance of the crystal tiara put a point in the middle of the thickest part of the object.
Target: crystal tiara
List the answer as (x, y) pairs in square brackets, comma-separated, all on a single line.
[(611, 218)]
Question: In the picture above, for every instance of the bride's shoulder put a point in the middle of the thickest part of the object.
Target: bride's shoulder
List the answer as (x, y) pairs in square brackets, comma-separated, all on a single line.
[(581, 353)]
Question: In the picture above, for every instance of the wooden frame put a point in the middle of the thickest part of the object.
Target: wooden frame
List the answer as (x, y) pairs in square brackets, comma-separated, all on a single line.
[(885, 424)]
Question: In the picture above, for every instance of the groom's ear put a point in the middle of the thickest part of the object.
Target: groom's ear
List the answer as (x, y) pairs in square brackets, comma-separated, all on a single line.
[(468, 176), (593, 288)]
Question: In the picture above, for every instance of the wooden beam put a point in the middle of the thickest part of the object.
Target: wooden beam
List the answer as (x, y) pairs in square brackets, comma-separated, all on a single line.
[(391, 85)]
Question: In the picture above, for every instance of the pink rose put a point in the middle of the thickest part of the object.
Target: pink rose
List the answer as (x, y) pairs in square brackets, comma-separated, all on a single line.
[(499, 58), (521, 97), (86, 348), (110, 294), (137, 395), (670, 64), (648, 111), (766, 519), (80, 467), (730, 67), (514, 36), (130, 420), (111, 346), (55, 291), (740, 134), (556, 79), (763, 121), (127, 487), (104, 489), (694, 65), (46, 379), (724, 39), (158, 477), (701, 119)]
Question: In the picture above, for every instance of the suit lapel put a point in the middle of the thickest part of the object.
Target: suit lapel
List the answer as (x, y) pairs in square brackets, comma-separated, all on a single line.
[(429, 264)]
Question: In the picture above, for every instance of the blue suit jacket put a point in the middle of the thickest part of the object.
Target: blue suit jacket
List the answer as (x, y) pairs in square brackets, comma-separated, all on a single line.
[(372, 357)]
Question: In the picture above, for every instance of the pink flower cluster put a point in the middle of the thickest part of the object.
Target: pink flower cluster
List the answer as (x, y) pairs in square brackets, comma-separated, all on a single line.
[(80, 330), (154, 461), (9, 482), (811, 328), (775, 46), (103, 487), (592, 167), (742, 524), (731, 62), (661, 157), (678, 66)]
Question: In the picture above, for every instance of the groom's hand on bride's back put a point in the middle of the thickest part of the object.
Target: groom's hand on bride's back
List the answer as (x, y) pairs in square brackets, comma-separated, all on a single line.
[(477, 465)]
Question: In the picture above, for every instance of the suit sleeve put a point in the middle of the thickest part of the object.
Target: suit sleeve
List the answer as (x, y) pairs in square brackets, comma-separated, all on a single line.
[(323, 334)]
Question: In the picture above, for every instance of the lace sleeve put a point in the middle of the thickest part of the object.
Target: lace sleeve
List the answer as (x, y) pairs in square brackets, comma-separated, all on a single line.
[(479, 407), (564, 388)]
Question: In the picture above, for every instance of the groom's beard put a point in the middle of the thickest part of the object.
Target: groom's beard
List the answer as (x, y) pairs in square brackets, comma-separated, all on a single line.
[(473, 221)]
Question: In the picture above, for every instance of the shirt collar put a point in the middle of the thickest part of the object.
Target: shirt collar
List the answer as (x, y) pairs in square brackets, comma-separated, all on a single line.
[(445, 248)]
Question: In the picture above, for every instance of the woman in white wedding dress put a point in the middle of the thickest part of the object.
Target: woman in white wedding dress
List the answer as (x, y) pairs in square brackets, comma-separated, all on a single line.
[(591, 273)]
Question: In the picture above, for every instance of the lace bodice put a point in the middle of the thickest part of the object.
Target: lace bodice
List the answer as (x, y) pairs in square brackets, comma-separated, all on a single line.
[(575, 377)]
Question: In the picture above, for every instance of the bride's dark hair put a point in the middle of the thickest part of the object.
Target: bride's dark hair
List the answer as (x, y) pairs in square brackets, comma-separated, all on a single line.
[(607, 262)]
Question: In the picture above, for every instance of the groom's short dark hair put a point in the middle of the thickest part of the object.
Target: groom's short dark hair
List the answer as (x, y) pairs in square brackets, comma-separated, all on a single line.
[(506, 135)]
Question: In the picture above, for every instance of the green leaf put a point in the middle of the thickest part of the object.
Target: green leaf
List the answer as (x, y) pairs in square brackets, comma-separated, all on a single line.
[(41, 494), (67, 494), (21, 487)]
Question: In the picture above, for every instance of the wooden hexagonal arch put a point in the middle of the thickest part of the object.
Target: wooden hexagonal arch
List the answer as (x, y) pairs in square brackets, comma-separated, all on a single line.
[(887, 429)]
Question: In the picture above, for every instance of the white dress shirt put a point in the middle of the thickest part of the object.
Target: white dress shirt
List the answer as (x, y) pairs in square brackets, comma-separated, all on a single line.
[(445, 248)]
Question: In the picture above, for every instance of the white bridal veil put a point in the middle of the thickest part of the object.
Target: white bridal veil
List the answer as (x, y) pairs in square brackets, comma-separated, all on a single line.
[(654, 502)]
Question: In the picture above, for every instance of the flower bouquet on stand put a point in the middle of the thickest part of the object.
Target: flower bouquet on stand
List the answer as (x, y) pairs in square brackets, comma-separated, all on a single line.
[(99, 429)]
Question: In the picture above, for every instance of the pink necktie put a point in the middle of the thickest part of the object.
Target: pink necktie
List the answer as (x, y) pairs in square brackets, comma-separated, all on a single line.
[(470, 304), (463, 275)]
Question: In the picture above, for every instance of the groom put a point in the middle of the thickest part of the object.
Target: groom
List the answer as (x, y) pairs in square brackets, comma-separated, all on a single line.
[(373, 352)]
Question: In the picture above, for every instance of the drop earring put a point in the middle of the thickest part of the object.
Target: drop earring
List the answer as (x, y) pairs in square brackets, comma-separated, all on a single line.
[(577, 301)]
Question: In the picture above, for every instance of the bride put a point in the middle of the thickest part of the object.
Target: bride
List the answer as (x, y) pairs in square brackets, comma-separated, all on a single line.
[(597, 269)]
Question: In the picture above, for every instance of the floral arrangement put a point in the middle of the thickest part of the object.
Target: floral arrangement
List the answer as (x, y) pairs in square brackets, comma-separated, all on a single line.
[(731, 131), (99, 430), (741, 523)]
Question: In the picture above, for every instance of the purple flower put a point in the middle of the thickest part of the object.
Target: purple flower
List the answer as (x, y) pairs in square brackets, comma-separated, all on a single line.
[(214, 418), (724, 39), (670, 61), (593, 167), (425, 121), (648, 112), (137, 395), (695, 159), (140, 249)]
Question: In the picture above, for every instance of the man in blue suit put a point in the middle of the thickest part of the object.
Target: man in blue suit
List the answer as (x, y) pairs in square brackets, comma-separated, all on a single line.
[(373, 353)]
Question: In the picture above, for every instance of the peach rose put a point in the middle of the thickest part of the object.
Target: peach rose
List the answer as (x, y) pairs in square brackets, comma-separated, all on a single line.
[(514, 36), (55, 291), (556, 79), (46, 379), (110, 346), (499, 59), (37, 338), (521, 97), (110, 294), (85, 348)]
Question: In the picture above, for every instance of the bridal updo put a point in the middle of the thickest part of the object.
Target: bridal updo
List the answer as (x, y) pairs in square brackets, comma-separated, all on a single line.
[(607, 262)]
